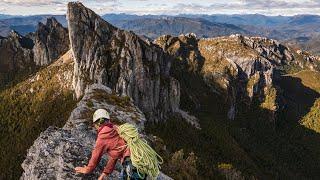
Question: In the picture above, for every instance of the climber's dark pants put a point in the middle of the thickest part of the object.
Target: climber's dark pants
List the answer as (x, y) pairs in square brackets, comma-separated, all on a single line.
[(129, 170)]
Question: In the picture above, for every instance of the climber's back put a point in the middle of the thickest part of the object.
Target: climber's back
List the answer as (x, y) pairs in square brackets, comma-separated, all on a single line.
[(113, 144)]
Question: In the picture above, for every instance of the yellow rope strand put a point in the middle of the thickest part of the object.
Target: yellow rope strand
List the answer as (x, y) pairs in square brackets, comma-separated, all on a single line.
[(143, 157)]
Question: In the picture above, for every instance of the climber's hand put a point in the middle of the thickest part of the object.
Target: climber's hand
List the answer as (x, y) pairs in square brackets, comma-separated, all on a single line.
[(83, 170), (102, 176)]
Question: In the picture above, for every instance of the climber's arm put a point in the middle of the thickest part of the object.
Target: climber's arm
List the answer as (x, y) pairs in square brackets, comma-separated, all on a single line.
[(95, 158), (110, 165)]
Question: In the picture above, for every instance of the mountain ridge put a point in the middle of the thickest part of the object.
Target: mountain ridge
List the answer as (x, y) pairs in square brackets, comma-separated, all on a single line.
[(227, 96), (284, 28)]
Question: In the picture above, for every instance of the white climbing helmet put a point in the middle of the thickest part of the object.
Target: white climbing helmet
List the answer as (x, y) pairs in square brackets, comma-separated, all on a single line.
[(100, 113)]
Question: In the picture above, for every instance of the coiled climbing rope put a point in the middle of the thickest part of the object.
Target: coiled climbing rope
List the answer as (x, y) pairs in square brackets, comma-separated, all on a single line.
[(143, 157)]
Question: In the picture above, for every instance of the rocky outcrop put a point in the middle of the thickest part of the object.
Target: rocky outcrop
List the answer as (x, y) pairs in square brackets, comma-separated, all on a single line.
[(270, 49), (279, 54), (51, 41), (55, 154), (307, 61), (122, 61), (57, 151), (15, 56), (232, 67)]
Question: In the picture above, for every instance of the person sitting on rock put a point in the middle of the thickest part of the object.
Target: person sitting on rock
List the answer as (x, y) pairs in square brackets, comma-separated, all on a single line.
[(108, 142)]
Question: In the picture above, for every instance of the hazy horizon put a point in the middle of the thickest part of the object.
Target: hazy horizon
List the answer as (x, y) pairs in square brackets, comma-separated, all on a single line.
[(123, 13), (151, 7)]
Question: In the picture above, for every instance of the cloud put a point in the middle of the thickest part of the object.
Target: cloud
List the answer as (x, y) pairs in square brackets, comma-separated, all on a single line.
[(280, 4), (269, 7), (49, 2), (33, 2)]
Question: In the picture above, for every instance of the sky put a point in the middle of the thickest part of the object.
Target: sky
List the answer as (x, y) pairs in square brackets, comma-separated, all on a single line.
[(167, 7)]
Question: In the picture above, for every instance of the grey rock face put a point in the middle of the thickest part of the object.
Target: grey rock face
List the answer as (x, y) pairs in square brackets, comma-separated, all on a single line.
[(121, 60), (51, 41), (15, 56), (270, 49), (15, 51), (55, 154), (57, 151)]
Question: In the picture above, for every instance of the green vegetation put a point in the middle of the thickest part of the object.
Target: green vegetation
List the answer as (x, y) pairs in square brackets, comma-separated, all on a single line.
[(252, 82), (225, 166), (9, 79), (212, 144), (310, 79), (300, 146), (312, 119), (27, 109), (181, 166), (177, 164), (207, 148), (270, 99)]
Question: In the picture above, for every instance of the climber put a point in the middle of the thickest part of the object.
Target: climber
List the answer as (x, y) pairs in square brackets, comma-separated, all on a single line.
[(110, 143)]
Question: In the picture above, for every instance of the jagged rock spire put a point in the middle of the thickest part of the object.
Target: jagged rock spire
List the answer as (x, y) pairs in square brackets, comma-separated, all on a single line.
[(121, 60), (51, 41)]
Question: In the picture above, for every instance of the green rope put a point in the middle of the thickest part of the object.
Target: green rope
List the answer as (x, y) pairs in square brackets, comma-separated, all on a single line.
[(143, 157)]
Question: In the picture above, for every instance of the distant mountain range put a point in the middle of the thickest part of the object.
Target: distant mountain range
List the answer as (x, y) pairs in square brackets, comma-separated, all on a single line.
[(302, 31), (26, 24), (5, 16), (155, 27)]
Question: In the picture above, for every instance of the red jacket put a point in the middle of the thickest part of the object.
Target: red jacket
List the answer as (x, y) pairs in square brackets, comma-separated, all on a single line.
[(108, 142)]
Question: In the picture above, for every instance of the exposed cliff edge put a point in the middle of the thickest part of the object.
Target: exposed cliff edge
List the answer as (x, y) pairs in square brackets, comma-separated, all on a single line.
[(122, 61), (57, 151)]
